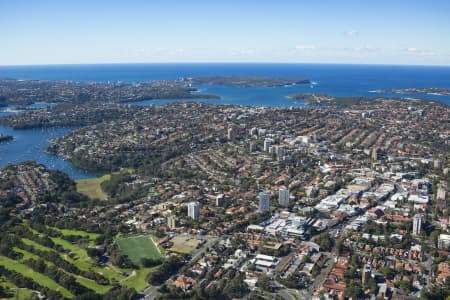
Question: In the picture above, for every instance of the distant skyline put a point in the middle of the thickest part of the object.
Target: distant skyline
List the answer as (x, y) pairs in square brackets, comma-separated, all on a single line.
[(158, 31)]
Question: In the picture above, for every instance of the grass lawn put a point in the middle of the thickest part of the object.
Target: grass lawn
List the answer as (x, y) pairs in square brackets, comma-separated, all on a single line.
[(26, 254), (78, 251), (37, 277), (91, 284), (91, 187), (84, 281), (79, 256), (17, 293), (137, 279), (127, 277), (34, 231), (184, 245), (139, 247), (22, 294), (89, 235), (5, 283), (36, 245), (84, 262)]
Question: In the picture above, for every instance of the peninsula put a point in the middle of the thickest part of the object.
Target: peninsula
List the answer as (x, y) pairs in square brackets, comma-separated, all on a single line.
[(423, 91), (26, 92), (247, 81), (344, 101)]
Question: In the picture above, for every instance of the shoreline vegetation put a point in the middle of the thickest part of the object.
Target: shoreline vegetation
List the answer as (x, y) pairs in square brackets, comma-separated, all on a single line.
[(90, 113), (87, 103), (248, 81), (420, 91), (320, 100), (27, 92)]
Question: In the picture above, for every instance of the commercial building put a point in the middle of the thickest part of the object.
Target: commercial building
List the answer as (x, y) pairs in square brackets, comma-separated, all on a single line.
[(444, 241), (441, 193), (375, 153), (231, 134), (172, 222), (193, 210), (417, 224), (267, 144), (283, 197), (265, 263), (264, 201)]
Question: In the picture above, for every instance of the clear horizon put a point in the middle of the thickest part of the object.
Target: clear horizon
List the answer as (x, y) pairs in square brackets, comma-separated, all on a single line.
[(53, 32), (222, 63)]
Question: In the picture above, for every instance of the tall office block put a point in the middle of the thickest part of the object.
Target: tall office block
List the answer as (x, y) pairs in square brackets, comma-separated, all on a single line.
[(193, 210), (417, 224), (264, 201), (283, 197)]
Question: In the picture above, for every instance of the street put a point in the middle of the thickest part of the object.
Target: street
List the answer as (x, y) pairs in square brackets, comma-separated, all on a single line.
[(152, 291)]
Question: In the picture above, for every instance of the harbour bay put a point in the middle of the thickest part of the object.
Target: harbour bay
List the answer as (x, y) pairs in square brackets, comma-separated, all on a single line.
[(339, 80)]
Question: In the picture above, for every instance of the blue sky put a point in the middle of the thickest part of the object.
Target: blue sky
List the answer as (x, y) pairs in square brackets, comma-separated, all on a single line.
[(369, 32)]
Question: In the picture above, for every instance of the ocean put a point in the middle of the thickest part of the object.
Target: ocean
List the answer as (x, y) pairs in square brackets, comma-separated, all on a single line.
[(338, 80)]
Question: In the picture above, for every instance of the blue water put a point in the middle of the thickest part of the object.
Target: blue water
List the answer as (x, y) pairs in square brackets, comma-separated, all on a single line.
[(29, 145), (253, 96), (339, 80)]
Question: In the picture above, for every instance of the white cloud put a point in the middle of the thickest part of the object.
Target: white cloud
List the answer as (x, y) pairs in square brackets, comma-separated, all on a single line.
[(428, 53), (243, 52), (305, 47), (158, 52), (353, 49), (308, 48), (420, 52), (177, 51), (351, 33), (368, 49)]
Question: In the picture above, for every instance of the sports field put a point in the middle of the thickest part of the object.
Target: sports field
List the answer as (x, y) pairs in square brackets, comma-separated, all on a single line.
[(139, 247)]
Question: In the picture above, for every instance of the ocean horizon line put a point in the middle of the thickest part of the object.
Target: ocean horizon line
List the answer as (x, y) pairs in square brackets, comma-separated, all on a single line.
[(224, 63)]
